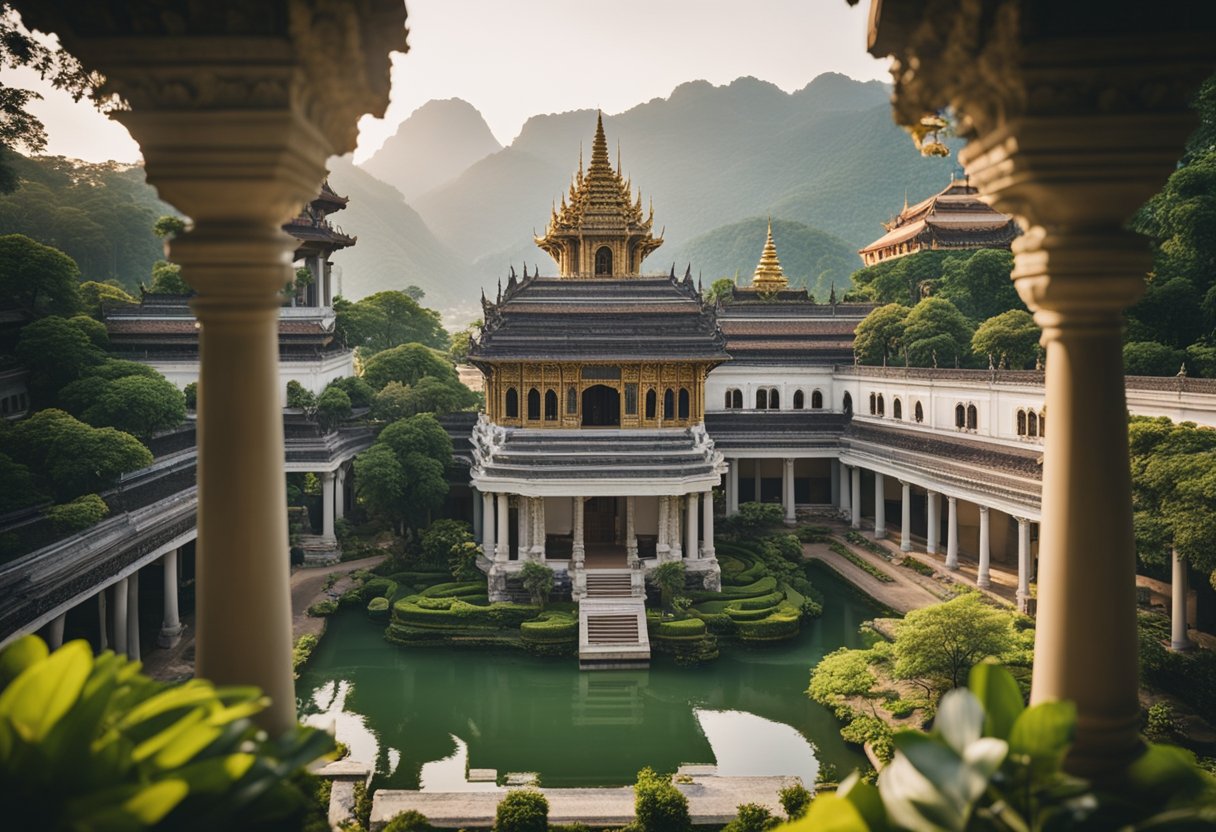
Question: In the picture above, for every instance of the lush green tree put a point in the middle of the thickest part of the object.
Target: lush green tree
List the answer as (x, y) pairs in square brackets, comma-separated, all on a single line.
[(415, 293), (380, 482), (37, 279), (357, 390), (420, 433), (138, 405), (19, 490), (439, 396), (426, 487), (794, 799), (721, 290), (407, 364), (167, 279), (441, 538), (903, 280), (879, 338), (979, 285), (937, 646), (458, 352), (73, 457), (81, 513), (93, 295), (1201, 360), (190, 392), (669, 578), (1011, 337), (168, 226), (386, 320), (936, 331), (658, 805), (1151, 358), (840, 675), (414, 484), (116, 368), (392, 403), (93, 329), (300, 397), (1172, 311), (752, 817), (522, 810), (56, 351), (333, 406), (538, 580)]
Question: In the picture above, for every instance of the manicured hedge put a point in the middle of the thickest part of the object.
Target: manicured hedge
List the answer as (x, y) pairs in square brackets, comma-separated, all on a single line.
[(771, 599), (378, 588), (378, 608), (783, 623), (750, 614), (683, 628), (550, 627), (761, 587), (461, 614), (454, 589)]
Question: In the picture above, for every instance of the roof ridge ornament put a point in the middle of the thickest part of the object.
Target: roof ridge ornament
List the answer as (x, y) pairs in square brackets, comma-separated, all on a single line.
[(769, 276)]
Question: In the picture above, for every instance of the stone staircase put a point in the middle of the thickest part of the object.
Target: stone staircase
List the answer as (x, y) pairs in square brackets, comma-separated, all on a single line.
[(612, 623)]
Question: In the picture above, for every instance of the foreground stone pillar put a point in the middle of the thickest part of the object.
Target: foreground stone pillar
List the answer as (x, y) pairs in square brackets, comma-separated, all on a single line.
[(631, 532), (855, 518), (707, 508), (933, 527), (578, 549), (502, 547), (133, 616), (952, 533), (327, 505), (880, 506), (905, 530), (690, 520), (787, 491), (171, 624), (983, 577), (1180, 638), (1023, 593), (119, 590)]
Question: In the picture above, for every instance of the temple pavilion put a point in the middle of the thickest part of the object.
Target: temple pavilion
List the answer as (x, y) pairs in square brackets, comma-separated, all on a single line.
[(592, 454)]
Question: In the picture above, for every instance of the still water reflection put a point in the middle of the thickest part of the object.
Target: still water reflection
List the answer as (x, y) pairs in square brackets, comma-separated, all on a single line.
[(426, 715)]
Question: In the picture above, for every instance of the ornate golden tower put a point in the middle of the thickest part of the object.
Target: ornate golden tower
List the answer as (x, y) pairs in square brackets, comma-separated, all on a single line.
[(769, 277), (599, 231)]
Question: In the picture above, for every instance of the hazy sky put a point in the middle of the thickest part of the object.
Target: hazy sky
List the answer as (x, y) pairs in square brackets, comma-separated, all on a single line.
[(515, 58)]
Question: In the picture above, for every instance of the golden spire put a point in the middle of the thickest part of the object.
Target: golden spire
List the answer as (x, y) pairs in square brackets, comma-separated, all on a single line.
[(769, 276)]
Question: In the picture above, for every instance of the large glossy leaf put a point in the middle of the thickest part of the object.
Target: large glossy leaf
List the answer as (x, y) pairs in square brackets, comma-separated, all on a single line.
[(1043, 733), (866, 800), (22, 653), (999, 694), (43, 693), (960, 719), (130, 806), (828, 813), (182, 698), (914, 802), (158, 742), (186, 745), (1165, 772)]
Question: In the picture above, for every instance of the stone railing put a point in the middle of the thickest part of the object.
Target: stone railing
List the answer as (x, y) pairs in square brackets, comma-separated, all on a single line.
[(1179, 384)]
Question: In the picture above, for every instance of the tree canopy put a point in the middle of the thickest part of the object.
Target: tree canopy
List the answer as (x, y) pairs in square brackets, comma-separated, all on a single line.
[(937, 646), (406, 363), (388, 319), (936, 333), (402, 477), (38, 279), (1011, 338), (879, 337), (980, 285), (56, 351)]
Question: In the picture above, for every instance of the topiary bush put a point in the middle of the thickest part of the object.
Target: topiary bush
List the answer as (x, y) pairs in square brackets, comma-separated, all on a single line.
[(408, 821), (658, 805), (522, 810), (81, 513), (794, 799), (321, 609), (377, 608), (752, 817)]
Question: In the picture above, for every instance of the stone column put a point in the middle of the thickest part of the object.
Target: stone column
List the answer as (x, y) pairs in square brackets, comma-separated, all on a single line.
[(905, 530), (631, 534), (983, 579), (477, 515), (934, 527), (103, 642), (834, 482), (538, 526), (119, 590), (880, 506), (1023, 594), (662, 547), (952, 533), (340, 493), (523, 521), (171, 625), (488, 521), (787, 491), (673, 533), (855, 518), (690, 520), (502, 530), (1179, 636), (578, 550), (732, 488), (846, 490), (707, 509), (327, 505), (54, 632), (133, 615)]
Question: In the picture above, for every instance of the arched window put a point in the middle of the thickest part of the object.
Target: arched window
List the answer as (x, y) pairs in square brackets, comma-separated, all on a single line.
[(816, 401), (960, 416), (512, 403), (761, 399), (738, 399), (669, 404), (1042, 423), (571, 400), (683, 403), (918, 413), (1021, 423), (729, 399), (846, 405), (882, 410), (603, 261), (650, 403), (799, 400), (774, 399), (897, 409), (873, 404), (973, 417), (1032, 424), (550, 406), (533, 403)]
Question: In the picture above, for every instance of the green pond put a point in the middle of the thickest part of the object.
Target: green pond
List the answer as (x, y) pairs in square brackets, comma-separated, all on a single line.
[(426, 715)]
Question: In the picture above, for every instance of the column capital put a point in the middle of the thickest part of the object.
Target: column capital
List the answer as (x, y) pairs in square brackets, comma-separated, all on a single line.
[(983, 510), (951, 500)]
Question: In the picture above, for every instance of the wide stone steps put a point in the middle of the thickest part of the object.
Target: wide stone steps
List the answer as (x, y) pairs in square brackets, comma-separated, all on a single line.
[(609, 586), (612, 632), (612, 629)]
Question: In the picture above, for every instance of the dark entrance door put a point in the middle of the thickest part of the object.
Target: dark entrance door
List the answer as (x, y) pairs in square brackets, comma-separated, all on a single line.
[(601, 407), (599, 518)]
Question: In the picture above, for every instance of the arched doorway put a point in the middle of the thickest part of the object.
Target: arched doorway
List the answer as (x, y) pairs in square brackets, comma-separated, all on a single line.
[(601, 407), (603, 261)]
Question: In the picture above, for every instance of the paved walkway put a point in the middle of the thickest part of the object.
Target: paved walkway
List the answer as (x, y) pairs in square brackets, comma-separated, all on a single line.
[(712, 800), (904, 594), (307, 587)]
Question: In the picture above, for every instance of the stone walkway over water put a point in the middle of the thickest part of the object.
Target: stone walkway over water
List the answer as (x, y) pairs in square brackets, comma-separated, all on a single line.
[(712, 800)]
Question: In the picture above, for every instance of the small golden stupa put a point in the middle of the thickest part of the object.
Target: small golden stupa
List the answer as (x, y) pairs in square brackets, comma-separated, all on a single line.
[(769, 277)]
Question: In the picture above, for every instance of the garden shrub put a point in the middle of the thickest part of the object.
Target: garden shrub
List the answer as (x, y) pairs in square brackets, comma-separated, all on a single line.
[(772, 599), (302, 650), (538, 580), (784, 623), (682, 627), (900, 708), (736, 614), (441, 538), (795, 798), (408, 821), (80, 513), (1161, 724), (321, 609), (761, 587), (752, 817), (871, 729), (551, 626), (378, 608), (658, 805), (522, 810), (752, 519), (453, 589), (378, 588)]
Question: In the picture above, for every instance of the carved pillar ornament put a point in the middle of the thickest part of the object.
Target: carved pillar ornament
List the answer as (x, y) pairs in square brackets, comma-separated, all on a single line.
[(1075, 113), (236, 107)]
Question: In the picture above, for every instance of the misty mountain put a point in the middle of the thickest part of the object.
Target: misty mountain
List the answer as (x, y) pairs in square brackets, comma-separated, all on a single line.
[(439, 141), (810, 258)]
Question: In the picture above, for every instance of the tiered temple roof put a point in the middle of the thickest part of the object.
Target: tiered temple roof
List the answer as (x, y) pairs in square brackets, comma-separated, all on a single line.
[(955, 219), (642, 318), (769, 277), (790, 330), (600, 212)]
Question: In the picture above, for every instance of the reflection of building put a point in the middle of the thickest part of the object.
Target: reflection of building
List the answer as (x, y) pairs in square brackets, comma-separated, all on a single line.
[(954, 220)]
